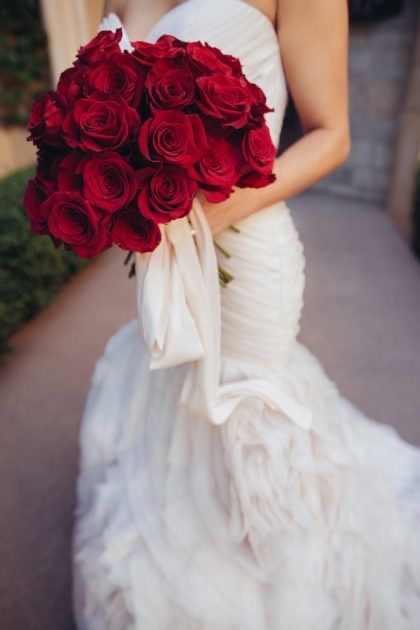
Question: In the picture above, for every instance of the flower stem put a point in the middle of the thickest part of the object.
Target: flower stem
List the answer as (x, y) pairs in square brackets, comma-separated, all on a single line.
[(132, 271), (221, 249), (127, 258), (224, 276)]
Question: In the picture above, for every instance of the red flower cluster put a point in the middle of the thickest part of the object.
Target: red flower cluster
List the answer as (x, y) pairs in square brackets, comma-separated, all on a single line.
[(128, 138)]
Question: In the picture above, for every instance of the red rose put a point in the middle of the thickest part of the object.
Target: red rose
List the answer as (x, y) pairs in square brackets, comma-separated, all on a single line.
[(103, 46), (258, 149), (100, 122), (148, 53), (49, 159), (174, 137), (175, 46), (109, 181), (120, 76), (258, 154), (37, 191), (224, 98), (216, 172), (167, 193), (106, 180), (131, 231), (69, 176), (46, 119), (71, 83), (259, 105), (205, 59), (73, 220), (170, 85)]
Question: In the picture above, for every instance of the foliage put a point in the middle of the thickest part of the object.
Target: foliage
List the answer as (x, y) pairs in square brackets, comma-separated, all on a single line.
[(32, 270), (23, 59)]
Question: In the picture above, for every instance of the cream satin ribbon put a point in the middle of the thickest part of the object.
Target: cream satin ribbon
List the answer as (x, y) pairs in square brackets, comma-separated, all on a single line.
[(178, 300)]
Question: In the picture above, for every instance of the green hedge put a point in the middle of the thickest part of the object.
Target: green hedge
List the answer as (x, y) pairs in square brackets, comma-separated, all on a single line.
[(32, 270), (23, 59)]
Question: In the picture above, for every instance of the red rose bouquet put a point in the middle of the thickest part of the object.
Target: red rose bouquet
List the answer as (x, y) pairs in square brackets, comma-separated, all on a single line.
[(128, 138)]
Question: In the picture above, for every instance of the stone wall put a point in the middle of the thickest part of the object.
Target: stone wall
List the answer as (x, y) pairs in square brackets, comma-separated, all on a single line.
[(379, 64)]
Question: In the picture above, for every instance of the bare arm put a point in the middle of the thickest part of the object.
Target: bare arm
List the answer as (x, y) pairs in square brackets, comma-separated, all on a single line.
[(313, 37)]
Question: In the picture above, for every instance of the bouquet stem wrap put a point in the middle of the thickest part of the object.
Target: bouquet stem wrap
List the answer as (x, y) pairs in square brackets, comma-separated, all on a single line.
[(178, 298)]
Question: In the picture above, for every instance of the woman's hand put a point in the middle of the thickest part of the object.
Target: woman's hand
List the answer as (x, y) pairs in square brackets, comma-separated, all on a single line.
[(241, 203), (313, 39)]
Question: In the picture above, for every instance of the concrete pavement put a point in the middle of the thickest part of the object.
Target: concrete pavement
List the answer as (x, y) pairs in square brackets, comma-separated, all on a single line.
[(361, 319)]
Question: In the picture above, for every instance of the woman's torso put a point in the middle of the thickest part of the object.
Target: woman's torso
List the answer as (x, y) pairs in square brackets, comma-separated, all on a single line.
[(140, 16), (261, 307)]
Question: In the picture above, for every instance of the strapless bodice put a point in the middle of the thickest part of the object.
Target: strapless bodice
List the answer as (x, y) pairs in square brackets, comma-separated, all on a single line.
[(260, 309), (238, 29)]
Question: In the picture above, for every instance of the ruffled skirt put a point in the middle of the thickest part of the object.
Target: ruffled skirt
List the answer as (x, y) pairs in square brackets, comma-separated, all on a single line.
[(257, 524)]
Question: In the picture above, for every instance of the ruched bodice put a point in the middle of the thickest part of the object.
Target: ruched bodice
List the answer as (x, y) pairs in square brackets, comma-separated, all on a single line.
[(238, 29), (260, 310)]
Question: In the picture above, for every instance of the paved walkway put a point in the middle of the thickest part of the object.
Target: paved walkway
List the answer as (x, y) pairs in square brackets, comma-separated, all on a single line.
[(361, 319)]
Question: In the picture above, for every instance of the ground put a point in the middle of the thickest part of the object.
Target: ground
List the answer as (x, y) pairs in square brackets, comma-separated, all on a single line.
[(361, 319)]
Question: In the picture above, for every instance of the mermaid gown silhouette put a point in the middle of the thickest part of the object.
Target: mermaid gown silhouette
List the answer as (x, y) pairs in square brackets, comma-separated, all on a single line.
[(225, 484)]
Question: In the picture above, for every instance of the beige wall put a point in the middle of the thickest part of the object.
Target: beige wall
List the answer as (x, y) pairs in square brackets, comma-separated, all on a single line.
[(15, 151), (68, 25)]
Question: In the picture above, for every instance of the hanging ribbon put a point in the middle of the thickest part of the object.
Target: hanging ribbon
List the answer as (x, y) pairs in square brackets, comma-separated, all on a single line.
[(178, 299)]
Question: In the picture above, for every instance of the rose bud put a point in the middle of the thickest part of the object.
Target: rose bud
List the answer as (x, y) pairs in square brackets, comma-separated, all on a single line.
[(132, 231), (69, 177), (174, 137), (148, 53), (72, 220), (166, 195), (103, 46), (37, 190), (259, 106), (224, 98), (121, 76), (216, 172), (71, 83), (46, 119), (170, 85), (206, 60), (100, 122)]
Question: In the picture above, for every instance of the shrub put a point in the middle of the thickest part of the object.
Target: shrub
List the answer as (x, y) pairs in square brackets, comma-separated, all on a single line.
[(23, 59), (32, 270)]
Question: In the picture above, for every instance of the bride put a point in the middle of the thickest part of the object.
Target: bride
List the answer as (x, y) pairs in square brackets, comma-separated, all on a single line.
[(225, 484)]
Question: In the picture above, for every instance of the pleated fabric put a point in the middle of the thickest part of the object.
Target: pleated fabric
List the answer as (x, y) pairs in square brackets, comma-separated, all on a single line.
[(224, 481)]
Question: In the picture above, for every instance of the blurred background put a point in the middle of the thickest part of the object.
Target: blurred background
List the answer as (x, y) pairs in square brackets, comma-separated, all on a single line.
[(361, 232)]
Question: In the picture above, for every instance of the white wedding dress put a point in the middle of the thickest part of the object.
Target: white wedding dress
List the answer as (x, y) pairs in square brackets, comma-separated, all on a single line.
[(224, 482)]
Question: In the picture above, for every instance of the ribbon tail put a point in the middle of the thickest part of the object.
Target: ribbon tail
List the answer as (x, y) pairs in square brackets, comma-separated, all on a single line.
[(232, 394), (165, 320)]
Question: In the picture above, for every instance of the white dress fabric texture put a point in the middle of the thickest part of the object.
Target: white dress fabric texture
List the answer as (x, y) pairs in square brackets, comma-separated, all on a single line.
[(224, 482)]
